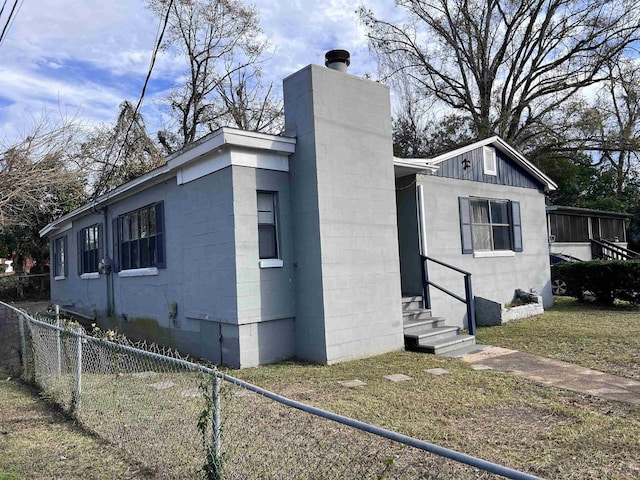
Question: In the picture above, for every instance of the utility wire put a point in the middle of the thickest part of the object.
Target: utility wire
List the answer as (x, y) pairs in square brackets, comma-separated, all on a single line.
[(105, 179), (12, 16)]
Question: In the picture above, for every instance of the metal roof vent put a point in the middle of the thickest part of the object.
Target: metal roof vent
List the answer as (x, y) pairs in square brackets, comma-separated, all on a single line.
[(337, 60)]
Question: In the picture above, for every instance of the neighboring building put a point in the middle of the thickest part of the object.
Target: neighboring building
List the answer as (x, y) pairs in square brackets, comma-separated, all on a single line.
[(587, 234), (248, 248)]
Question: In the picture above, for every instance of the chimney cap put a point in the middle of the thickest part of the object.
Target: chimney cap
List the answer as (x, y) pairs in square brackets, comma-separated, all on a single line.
[(337, 56)]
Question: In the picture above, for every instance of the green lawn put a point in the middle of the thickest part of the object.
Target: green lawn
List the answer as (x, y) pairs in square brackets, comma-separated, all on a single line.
[(37, 442), (493, 415), (496, 416), (605, 339)]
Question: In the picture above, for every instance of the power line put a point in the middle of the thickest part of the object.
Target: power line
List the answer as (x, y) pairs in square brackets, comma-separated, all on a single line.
[(105, 179), (10, 19)]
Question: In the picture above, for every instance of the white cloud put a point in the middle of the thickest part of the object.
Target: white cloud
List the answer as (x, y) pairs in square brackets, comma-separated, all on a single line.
[(89, 55)]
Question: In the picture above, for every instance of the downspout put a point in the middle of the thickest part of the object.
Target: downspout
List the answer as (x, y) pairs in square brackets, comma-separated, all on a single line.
[(422, 220), (108, 265)]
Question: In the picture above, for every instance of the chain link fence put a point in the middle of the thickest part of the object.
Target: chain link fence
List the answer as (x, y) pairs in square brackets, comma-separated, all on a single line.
[(185, 420)]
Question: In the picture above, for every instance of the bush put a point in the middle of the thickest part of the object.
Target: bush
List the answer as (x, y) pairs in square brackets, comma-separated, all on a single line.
[(606, 280)]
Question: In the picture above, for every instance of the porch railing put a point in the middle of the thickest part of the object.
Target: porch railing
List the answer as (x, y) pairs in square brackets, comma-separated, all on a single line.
[(468, 293), (605, 250)]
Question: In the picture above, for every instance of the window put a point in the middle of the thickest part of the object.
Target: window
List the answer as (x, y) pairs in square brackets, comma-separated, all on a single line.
[(489, 164), (89, 245), (140, 238), (488, 225), (60, 257), (611, 229), (570, 228), (267, 227)]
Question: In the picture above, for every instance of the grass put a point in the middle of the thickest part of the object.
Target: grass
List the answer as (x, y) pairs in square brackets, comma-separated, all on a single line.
[(509, 420), (496, 416), (37, 442), (605, 339)]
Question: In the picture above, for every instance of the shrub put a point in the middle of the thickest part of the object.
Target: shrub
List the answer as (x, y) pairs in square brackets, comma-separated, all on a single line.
[(605, 279)]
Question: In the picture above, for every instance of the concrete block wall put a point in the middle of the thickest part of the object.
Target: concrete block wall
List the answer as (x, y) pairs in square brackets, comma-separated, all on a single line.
[(494, 278), (348, 300), (265, 296)]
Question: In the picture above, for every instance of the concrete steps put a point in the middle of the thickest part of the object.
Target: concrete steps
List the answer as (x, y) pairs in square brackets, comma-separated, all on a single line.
[(426, 333)]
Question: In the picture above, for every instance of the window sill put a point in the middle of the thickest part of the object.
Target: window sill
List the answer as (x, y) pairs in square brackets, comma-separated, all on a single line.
[(58, 278), (138, 272), (494, 253), (90, 276), (271, 263)]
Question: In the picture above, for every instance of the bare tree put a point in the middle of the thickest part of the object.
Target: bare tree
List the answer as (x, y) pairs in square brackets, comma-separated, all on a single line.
[(221, 41), (39, 178), (119, 153), (506, 64)]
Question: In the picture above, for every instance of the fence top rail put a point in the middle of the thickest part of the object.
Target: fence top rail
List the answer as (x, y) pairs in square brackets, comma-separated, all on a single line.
[(350, 422)]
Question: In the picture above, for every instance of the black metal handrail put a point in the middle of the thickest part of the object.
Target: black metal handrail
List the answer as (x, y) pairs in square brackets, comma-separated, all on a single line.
[(467, 300), (604, 249)]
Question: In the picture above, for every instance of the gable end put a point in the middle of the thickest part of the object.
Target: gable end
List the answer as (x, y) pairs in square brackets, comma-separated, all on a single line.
[(472, 166)]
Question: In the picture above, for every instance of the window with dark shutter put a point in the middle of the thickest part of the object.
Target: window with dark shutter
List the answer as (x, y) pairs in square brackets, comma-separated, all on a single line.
[(89, 249), (59, 257), (488, 225), (140, 237)]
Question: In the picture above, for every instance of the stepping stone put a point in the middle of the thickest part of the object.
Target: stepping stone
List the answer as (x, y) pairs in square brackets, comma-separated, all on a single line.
[(352, 383), (145, 374), (437, 371), (193, 392), (398, 377), (479, 366), (163, 385)]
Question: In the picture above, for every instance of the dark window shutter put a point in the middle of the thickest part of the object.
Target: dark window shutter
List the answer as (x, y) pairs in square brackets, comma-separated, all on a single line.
[(160, 250), (517, 226), (466, 233), (65, 246), (115, 235)]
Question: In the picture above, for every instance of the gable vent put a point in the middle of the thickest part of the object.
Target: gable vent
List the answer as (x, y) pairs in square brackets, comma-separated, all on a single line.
[(490, 166)]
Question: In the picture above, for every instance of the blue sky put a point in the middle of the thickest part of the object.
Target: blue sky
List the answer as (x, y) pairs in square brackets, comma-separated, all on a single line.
[(82, 58)]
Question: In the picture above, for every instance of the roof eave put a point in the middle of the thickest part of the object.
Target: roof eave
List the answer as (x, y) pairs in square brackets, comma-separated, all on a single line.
[(222, 137)]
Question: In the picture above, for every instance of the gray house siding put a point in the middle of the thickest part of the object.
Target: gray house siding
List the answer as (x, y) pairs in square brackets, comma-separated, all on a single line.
[(343, 202), (495, 278), (265, 296), (199, 275), (86, 296), (509, 173)]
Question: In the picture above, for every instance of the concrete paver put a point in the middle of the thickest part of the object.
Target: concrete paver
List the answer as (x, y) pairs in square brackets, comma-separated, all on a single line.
[(352, 383), (557, 373), (398, 377), (437, 371)]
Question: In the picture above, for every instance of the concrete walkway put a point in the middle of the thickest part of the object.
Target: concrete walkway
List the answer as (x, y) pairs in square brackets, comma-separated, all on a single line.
[(556, 373)]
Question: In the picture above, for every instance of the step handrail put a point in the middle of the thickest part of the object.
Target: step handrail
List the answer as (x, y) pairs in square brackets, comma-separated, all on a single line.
[(468, 291), (610, 251)]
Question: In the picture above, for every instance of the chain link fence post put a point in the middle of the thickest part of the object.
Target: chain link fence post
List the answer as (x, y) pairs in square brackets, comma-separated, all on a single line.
[(23, 345), (58, 341), (215, 421), (77, 395)]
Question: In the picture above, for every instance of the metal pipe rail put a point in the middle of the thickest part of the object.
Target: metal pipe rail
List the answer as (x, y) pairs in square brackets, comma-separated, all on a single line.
[(468, 291)]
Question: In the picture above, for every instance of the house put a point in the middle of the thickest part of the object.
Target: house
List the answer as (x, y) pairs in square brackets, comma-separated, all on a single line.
[(247, 248), (588, 234)]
